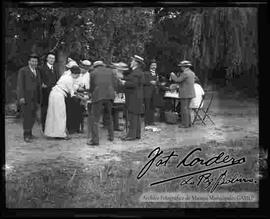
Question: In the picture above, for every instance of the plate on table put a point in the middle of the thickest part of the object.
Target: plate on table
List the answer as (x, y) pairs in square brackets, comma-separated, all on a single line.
[(171, 94), (119, 98)]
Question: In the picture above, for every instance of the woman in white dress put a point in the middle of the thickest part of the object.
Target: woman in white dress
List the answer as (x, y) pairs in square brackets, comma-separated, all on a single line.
[(55, 125)]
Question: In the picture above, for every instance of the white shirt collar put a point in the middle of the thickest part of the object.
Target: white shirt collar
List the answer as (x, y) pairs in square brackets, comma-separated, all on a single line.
[(33, 70), (49, 65)]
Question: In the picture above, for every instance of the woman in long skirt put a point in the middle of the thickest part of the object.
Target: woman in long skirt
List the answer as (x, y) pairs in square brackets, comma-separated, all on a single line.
[(55, 125)]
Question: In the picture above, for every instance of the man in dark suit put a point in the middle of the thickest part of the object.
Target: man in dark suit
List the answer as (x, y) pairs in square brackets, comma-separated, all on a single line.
[(133, 84), (150, 93), (28, 90), (102, 88), (186, 91), (49, 77)]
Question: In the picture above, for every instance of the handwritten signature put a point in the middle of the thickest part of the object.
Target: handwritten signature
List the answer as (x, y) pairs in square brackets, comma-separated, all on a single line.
[(216, 162)]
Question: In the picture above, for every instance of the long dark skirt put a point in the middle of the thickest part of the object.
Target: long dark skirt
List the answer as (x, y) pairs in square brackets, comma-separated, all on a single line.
[(74, 114)]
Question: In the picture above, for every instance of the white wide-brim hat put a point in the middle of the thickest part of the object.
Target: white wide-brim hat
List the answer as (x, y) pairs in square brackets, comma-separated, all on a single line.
[(185, 63), (98, 63), (138, 58), (120, 66), (85, 64), (71, 63)]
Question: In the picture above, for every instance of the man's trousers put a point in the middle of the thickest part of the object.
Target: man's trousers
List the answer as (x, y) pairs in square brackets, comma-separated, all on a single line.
[(134, 129), (185, 112), (149, 115), (29, 116), (95, 114)]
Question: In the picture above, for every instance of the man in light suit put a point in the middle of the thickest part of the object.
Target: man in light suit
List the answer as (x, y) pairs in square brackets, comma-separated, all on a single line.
[(102, 92), (186, 91), (28, 91)]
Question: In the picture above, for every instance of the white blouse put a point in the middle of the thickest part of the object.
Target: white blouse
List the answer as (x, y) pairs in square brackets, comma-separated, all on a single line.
[(195, 102), (66, 83), (83, 81)]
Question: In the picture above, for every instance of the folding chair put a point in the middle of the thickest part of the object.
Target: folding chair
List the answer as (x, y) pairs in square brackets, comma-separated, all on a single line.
[(203, 110)]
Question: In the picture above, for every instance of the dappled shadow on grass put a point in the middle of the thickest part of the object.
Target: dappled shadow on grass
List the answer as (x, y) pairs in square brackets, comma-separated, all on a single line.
[(62, 183)]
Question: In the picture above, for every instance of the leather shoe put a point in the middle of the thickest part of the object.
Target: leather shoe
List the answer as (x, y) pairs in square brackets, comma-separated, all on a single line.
[(92, 143), (32, 137), (128, 139), (27, 140)]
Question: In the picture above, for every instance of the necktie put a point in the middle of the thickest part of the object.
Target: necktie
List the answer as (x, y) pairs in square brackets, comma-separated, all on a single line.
[(34, 72)]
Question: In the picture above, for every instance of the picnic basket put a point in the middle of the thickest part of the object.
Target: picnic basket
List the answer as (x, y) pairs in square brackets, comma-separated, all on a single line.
[(171, 117)]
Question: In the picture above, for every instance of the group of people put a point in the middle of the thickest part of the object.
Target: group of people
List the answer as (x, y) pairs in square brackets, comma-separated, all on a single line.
[(62, 99)]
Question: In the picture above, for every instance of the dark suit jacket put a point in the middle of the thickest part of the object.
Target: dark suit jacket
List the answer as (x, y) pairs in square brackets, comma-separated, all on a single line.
[(186, 84), (149, 89), (28, 85), (102, 84), (49, 78), (134, 91), (160, 101)]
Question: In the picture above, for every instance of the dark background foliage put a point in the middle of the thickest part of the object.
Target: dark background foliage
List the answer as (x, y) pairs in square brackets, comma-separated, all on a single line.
[(220, 42)]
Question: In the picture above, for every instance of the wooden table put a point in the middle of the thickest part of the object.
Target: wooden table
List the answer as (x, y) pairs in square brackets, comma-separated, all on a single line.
[(173, 96), (118, 103)]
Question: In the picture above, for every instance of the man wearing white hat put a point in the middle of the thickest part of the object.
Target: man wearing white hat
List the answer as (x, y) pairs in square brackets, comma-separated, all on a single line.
[(186, 91), (133, 85)]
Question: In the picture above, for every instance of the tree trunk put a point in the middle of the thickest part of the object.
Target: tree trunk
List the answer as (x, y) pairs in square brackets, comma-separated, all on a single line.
[(62, 57)]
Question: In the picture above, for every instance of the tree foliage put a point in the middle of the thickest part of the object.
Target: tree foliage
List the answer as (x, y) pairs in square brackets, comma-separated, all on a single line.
[(210, 37), (94, 33)]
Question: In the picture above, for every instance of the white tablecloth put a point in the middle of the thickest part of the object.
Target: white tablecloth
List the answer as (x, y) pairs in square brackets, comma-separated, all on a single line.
[(171, 94)]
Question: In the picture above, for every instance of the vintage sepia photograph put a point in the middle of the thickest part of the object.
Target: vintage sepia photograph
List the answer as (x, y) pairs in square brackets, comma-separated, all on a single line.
[(131, 106)]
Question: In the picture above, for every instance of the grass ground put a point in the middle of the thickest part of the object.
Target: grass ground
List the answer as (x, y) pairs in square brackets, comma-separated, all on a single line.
[(60, 174)]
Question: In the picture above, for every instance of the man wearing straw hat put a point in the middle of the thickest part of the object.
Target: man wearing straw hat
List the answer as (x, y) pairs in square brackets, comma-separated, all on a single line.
[(133, 85), (186, 91)]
